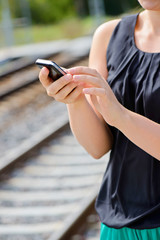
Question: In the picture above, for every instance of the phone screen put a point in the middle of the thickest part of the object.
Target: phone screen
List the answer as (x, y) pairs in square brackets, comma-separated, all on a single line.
[(55, 71)]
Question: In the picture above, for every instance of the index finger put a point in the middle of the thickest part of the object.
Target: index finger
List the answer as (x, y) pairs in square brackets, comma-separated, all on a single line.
[(83, 70)]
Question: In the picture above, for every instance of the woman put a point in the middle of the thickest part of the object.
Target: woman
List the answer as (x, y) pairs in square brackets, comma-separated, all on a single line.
[(121, 115)]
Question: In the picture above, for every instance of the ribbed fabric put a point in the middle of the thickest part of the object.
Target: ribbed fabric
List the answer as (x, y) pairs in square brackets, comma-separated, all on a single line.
[(125, 233)]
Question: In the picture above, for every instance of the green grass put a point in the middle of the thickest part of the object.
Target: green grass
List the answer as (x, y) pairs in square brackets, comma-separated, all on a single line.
[(70, 28)]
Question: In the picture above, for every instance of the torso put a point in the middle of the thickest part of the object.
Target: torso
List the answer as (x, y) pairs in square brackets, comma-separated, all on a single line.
[(130, 185)]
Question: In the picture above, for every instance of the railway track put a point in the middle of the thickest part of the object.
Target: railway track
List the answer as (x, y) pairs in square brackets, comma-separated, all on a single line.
[(22, 72), (27, 75), (48, 183), (46, 190), (19, 108), (14, 59)]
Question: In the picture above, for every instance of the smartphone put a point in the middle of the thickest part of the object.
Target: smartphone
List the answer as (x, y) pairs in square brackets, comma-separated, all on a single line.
[(55, 71)]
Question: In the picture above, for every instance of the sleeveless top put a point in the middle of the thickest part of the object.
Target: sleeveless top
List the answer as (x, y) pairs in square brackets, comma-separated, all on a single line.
[(130, 191)]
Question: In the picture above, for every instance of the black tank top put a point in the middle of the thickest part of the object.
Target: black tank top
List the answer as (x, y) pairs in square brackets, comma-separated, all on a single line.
[(130, 191)]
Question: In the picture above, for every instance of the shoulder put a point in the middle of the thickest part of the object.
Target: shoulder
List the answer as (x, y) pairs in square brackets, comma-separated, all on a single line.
[(102, 35), (104, 31), (107, 26)]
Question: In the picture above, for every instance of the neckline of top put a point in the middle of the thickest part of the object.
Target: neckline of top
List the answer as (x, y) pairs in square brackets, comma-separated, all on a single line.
[(133, 39)]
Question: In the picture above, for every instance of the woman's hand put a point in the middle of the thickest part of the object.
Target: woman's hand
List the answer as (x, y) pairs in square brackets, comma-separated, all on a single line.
[(100, 92), (63, 90)]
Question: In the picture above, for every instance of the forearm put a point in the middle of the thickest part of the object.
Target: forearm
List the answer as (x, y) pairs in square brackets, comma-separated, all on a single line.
[(91, 132), (142, 131)]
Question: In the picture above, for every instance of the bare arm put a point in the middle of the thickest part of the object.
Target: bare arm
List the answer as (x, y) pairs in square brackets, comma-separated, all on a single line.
[(141, 131), (86, 122), (89, 129)]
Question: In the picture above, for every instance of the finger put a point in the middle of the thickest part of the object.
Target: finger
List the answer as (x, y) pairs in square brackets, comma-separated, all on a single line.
[(83, 70), (86, 79), (100, 92), (95, 103), (43, 77), (74, 94), (59, 84), (64, 92), (93, 99)]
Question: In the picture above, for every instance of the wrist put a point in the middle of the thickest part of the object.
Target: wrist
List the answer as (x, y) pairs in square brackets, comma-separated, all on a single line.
[(78, 102), (122, 118)]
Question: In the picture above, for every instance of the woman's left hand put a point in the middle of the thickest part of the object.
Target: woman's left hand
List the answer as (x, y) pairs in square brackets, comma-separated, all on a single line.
[(100, 92)]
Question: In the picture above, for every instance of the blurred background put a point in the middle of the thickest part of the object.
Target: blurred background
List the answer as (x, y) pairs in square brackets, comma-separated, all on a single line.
[(24, 21), (48, 182)]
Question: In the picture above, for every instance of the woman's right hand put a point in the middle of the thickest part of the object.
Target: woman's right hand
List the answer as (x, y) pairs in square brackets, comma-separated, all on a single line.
[(62, 90)]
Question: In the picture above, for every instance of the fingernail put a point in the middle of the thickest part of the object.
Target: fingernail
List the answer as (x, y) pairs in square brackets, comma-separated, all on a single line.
[(68, 76), (71, 70), (44, 71), (86, 90)]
